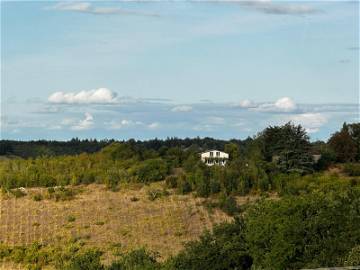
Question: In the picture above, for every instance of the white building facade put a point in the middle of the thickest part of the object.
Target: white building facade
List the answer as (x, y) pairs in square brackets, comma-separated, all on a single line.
[(214, 157)]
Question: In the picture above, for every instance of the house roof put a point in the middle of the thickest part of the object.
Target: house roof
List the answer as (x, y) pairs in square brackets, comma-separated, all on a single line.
[(212, 150)]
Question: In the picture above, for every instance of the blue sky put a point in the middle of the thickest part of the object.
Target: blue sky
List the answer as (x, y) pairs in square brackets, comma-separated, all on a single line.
[(157, 69)]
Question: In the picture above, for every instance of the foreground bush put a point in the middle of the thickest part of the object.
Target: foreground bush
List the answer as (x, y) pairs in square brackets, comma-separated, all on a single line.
[(316, 230), (225, 248), (352, 169)]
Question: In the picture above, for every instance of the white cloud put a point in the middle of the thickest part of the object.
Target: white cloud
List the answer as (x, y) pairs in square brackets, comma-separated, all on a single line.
[(284, 104), (182, 108), (86, 123), (154, 125), (246, 103), (123, 124), (310, 121), (69, 6), (96, 96)]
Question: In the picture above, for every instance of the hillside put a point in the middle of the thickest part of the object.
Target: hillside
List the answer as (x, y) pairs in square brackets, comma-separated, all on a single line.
[(102, 218)]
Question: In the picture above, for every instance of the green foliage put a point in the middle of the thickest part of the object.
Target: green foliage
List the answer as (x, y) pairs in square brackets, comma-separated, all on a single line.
[(154, 194), (18, 192), (183, 185), (223, 249), (151, 170), (71, 218), (62, 193), (139, 259), (346, 143), (289, 145), (37, 197), (88, 260), (352, 169), (228, 204), (171, 181), (353, 257), (316, 230)]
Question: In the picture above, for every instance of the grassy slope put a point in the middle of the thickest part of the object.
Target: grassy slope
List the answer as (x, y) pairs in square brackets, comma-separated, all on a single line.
[(102, 218)]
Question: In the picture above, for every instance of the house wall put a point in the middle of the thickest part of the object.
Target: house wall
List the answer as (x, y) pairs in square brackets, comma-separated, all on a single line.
[(213, 157)]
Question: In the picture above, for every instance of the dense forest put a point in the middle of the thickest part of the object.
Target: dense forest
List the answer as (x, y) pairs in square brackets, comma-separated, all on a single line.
[(313, 223)]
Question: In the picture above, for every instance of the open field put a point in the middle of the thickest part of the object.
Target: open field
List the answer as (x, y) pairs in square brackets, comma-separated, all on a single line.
[(103, 218)]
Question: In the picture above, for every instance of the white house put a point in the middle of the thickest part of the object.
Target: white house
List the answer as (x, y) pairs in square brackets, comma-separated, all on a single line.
[(214, 157)]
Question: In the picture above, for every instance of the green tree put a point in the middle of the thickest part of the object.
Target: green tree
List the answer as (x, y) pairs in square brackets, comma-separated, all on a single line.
[(290, 145), (345, 143)]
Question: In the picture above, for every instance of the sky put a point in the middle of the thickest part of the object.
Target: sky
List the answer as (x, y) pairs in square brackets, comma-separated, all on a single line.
[(146, 69)]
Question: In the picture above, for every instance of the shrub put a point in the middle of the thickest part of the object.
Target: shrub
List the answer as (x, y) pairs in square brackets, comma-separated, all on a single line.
[(139, 259), (37, 197), (228, 204), (154, 194), (352, 169), (151, 170), (309, 231), (62, 193), (225, 248), (71, 218), (353, 257), (171, 181), (88, 260), (183, 185), (18, 192)]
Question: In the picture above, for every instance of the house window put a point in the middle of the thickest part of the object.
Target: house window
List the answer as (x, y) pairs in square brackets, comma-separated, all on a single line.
[(218, 154), (211, 154)]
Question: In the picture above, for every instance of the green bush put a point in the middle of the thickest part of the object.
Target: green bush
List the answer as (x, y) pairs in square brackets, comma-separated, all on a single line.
[(139, 259), (225, 248), (18, 192), (37, 197), (353, 257), (151, 170), (309, 231), (183, 185), (352, 169), (88, 260), (228, 204), (171, 181)]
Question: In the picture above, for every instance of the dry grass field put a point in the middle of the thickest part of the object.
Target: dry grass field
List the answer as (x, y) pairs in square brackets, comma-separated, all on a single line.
[(102, 218)]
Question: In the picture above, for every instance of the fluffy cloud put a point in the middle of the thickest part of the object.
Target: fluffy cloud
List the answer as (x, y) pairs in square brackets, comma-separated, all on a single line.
[(96, 96), (284, 104), (312, 122), (182, 108), (86, 123)]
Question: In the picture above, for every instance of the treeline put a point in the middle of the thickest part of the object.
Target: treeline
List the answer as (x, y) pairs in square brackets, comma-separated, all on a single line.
[(255, 165), (33, 149)]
